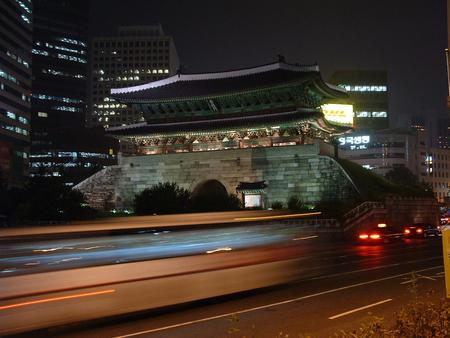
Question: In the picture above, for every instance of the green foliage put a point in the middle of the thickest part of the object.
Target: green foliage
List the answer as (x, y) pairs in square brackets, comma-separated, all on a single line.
[(420, 318), (277, 205), (335, 208), (162, 198), (72, 204), (402, 176), (215, 201), (373, 329), (294, 203), (44, 199), (375, 187)]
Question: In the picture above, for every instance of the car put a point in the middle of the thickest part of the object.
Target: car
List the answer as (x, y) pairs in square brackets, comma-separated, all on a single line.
[(378, 233), (421, 230)]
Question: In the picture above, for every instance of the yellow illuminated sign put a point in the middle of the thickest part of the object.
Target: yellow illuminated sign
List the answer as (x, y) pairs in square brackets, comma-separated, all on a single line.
[(341, 114), (446, 252)]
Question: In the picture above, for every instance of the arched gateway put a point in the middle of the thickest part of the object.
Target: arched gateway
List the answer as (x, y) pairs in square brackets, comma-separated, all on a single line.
[(239, 127)]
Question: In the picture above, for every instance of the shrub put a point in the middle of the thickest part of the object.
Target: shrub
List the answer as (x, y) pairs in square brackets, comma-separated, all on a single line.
[(277, 205), (295, 203), (334, 208), (162, 198), (375, 187), (214, 201)]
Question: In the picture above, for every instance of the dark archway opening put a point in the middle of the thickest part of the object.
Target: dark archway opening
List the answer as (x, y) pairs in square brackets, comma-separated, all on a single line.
[(212, 195)]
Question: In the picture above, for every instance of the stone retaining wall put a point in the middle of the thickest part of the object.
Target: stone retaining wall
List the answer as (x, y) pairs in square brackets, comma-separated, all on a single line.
[(292, 170)]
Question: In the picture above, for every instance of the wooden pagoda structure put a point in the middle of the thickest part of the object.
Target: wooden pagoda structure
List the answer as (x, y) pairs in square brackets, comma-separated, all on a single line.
[(277, 104)]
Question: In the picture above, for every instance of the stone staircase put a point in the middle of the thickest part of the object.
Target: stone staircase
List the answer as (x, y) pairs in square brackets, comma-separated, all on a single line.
[(364, 214), (99, 189)]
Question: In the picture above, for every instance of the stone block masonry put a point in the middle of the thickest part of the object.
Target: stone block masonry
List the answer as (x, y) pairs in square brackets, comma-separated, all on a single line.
[(292, 170)]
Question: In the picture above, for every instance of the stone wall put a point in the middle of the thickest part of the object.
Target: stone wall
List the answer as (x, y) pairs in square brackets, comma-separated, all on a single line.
[(293, 170), (408, 210)]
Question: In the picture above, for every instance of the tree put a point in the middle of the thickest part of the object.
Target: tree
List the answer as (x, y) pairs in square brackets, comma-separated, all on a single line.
[(402, 176), (215, 201), (162, 198)]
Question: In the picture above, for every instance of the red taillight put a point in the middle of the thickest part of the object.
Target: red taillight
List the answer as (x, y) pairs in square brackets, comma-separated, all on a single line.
[(363, 236), (419, 231), (375, 236), (407, 231)]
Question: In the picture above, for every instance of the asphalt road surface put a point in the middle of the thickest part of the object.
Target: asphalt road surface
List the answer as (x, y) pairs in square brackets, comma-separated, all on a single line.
[(341, 286)]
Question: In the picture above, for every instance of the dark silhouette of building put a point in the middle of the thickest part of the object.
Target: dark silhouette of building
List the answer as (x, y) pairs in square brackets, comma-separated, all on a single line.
[(59, 96), (368, 92), (15, 88)]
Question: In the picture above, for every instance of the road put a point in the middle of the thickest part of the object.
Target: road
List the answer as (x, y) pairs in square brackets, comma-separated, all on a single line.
[(341, 286)]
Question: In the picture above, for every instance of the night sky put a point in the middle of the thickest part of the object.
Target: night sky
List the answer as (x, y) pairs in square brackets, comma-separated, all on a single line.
[(406, 37)]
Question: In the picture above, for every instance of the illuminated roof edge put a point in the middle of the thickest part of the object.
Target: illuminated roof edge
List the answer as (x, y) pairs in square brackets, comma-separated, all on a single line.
[(218, 75)]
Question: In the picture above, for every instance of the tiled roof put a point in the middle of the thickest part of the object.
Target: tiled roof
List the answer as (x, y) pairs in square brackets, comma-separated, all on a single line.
[(210, 84), (215, 124), (251, 186)]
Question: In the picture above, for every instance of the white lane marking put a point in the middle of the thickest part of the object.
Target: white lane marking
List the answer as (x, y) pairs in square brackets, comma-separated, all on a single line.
[(271, 305), (303, 238), (418, 276), (360, 309), (368, 269)]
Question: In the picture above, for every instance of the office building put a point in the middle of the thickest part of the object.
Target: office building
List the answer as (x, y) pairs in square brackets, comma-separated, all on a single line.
[(15, 89), (368, 92), (385, 150), (136, 55), (60, 141)]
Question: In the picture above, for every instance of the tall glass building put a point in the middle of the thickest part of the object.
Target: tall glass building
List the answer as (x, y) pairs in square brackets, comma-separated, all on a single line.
[(15, 89), (59, 66), (61, 146)]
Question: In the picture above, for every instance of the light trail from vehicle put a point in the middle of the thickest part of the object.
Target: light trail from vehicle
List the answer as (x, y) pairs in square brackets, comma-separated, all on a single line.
[(36, 256), (54, 299)]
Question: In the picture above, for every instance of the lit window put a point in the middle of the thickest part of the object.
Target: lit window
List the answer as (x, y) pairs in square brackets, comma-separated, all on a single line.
[(11, 115), (9, 77), (24, 6), (362, 114), (351, 88), (72, 41), (66, 108), (42, 114), (379, 114), (25, 18), (39, 52)]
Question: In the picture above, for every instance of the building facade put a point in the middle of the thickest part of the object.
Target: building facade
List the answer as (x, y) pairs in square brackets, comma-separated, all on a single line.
[(369, 94), (61, 146), (60, 56), (385, 150), (381, 151), (16, 23), (260, 128), (136, 55)]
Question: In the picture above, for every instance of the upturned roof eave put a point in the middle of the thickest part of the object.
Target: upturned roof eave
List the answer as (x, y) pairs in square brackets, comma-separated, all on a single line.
[(212, 96), (210, 126)]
